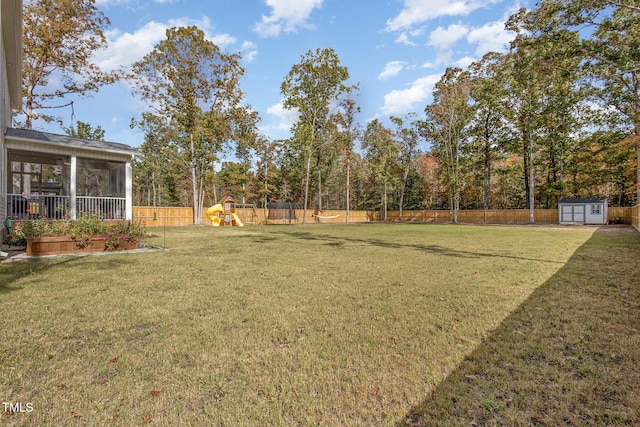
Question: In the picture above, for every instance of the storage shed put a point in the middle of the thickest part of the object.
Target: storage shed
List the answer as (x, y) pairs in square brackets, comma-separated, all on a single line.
[(591, 210)]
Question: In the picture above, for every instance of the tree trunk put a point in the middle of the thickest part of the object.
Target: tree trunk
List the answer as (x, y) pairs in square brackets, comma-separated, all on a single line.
[(318, 162), (456, 183), (405, 178), (637, 201), (456, 206), (348, 189), (28, 108), (486, 181), (525, 165), (306, 188), (215, 193), (200, 200), (531, 182), (194, 182), (153, 186), (384, 202)]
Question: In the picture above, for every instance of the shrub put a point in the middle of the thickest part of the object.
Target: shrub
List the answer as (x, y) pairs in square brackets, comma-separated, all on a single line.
[(84, 228)]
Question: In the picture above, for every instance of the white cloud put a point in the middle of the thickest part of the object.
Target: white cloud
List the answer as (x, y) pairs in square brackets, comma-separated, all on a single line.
[(391, 69), (399, 102), (287, 117), (444, 57), (223, 41), (126, 48), (491, 37), (249, 51), (464, 62), (416, 12), (403, 38), (129, 3), (443, 38), (286, 15), (115, 2)]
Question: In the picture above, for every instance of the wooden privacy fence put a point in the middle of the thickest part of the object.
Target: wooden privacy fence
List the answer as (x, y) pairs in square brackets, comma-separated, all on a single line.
[(166, 216), (512, 216), (163, 216), (492, 216)]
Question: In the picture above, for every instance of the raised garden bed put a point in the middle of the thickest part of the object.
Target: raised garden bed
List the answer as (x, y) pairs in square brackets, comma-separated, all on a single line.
[(85, 234), (38, 246)]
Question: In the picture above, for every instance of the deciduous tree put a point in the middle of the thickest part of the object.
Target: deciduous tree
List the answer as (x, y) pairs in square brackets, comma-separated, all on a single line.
[(609, 47), (381, 153), (191, 84), (447, 120), (408, 134), (59, 40), (310, 87), (85, 131), (348, 132)]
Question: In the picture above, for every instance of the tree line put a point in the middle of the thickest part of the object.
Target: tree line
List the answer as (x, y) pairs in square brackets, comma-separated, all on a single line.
[(556, 115)]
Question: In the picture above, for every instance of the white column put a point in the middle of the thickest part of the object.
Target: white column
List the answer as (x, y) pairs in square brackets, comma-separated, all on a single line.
[(72, 188), (129, 191)]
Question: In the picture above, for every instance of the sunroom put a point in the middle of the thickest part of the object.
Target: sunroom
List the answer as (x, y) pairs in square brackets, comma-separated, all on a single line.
[(58, 176)]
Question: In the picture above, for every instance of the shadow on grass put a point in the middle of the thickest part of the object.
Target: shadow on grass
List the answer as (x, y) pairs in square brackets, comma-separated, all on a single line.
[(13, 271), (340, 241), (568, 355)]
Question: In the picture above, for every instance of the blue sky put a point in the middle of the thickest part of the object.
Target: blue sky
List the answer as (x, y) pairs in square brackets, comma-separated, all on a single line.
[(396, 50)]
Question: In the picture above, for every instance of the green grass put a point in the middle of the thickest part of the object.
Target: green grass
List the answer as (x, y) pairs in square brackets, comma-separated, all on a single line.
[(377, 324)]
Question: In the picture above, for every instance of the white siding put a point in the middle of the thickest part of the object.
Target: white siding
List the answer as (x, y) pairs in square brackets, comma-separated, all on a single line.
[(5, 114), (595, 213)]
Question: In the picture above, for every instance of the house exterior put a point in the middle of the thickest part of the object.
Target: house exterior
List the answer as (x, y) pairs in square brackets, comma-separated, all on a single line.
[(57, 176), (592, 210), (10, 80), (48, 175)]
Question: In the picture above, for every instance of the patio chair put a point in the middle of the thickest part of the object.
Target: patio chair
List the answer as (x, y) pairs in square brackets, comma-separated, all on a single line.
[(9, 225)]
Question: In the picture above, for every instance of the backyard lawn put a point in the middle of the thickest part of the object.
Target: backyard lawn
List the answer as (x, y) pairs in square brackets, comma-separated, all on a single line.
[(372, 324)]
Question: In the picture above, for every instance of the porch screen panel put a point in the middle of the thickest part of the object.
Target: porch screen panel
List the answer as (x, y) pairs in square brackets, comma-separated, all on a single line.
[(100, 178)]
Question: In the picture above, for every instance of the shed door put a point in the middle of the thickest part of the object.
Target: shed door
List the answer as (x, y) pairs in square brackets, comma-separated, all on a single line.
[(573, 213), (578, 213)]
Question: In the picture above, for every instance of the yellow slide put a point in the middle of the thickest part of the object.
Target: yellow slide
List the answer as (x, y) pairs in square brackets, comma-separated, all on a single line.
[(212, 214), (238, 222)]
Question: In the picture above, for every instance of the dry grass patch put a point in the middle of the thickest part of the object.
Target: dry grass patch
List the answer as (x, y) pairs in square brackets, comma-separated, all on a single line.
[(279, 325)]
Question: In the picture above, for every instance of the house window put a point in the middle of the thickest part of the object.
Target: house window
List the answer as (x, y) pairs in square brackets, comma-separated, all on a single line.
[(595, 209)]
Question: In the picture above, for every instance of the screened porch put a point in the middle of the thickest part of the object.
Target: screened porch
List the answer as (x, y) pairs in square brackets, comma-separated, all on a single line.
[(59, 177), (41, 186)]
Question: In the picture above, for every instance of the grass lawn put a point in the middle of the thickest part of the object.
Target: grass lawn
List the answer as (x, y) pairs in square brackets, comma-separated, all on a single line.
[(376, 324)]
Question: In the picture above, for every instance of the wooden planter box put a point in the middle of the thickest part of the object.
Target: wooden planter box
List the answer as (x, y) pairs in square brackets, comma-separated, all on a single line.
[(37, 246)]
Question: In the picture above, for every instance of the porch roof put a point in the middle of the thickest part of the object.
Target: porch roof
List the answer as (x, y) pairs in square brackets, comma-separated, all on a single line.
[(68, 143)]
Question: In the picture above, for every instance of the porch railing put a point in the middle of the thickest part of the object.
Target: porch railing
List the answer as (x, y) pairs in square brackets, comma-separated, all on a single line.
[(36, 206)]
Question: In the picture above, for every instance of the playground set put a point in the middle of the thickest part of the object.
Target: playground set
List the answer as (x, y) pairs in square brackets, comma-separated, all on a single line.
[(224, 214), (230, 213)]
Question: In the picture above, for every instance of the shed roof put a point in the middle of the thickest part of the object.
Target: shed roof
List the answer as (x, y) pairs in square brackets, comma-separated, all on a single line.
[(68, 141), (582, 200)]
